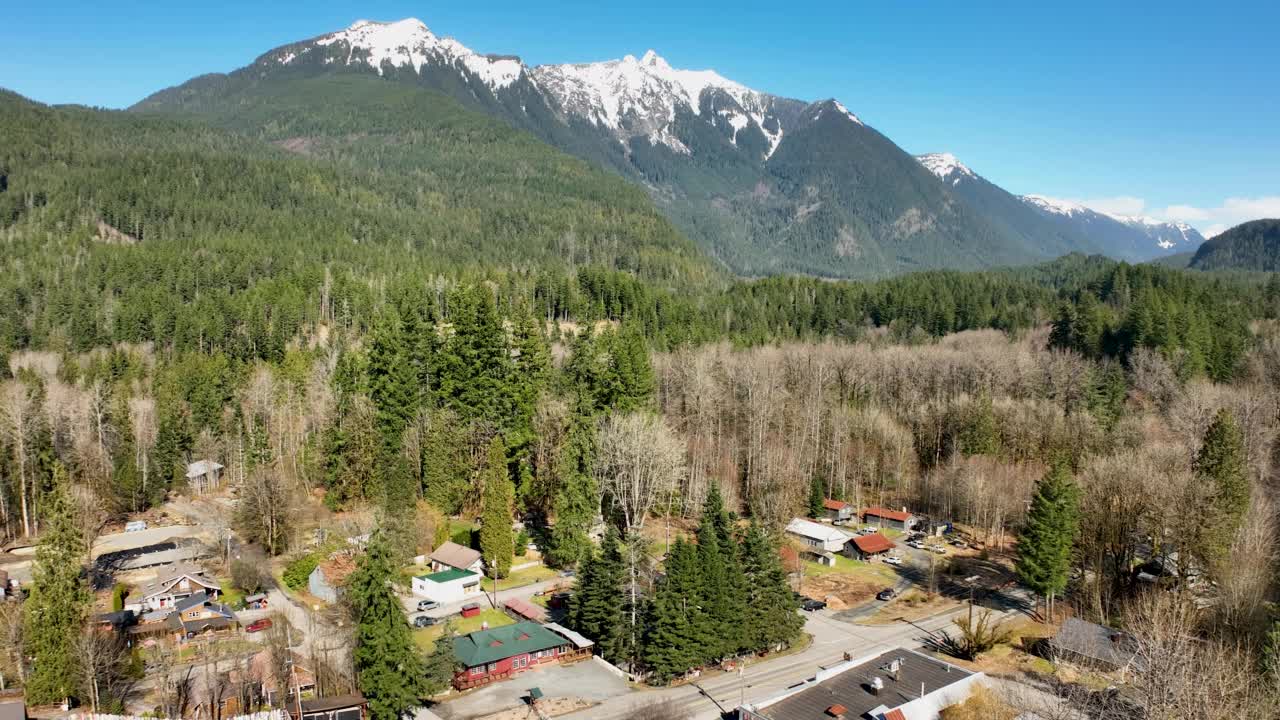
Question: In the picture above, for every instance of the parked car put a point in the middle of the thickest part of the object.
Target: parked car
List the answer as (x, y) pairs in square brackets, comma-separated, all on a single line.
[(893, 560), (960, 543), (940, 549), (811, 605), (887, 594), (422, 621), (566, 573), (258, 625), (424, 605), (915, 544)]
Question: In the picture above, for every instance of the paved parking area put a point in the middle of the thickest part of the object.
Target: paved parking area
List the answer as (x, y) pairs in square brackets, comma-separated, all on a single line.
[(589, 680)]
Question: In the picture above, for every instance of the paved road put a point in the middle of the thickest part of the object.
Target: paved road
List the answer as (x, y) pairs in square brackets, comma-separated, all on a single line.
[(142, 538), (723, 692)]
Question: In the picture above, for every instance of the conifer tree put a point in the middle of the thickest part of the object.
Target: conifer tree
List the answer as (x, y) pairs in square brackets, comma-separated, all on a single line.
[(393, 386), (531, 373), (630, 364), (817, 493), (596, 608), (676, 628), (388, 668), (440, 665), (723, 585), (1220, 464), (1047, 539), (126, 481), (54, 612), (576, 503), (772, 620), (444, 460), (475, 364), (496, 536)]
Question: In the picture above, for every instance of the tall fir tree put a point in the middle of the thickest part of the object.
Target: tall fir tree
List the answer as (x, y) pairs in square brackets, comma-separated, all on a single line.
[(475, 363), (54, 612), (1220, 465), (388, 667), (576, 503), (1046, 541), (393, 386), (597, 606), (723, 584), (630, 363), (531, 373), (440, 665), (497, 539), (676, 631), (772, 621), (127, 489), (817, 494)]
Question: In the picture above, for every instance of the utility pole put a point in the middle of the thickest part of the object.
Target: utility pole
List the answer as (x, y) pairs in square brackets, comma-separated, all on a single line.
[(293, 668)]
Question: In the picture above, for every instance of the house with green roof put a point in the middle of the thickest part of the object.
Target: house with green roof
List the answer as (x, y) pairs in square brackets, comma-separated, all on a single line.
[(447, 586), (498, 653)]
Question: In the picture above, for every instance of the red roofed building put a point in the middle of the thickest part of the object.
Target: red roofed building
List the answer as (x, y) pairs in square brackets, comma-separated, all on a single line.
[(884, 517), (867, 546), (838, 511)]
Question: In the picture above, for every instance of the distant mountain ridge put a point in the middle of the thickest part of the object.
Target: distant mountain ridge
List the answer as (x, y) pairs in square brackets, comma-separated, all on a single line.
[(1254, 246), (763, 183)]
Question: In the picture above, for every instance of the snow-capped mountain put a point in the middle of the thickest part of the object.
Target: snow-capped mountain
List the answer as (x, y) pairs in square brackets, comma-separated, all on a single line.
[(1130, 238), (642, 98), (764, 183), (404, 43), (946, 167)]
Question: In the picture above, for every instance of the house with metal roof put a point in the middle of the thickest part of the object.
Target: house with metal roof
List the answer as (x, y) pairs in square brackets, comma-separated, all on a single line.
[(817, 536), (1092, 645), (900, 684), (838, 511), (498, 653), (884, 517), (447, 586), (865, 547)]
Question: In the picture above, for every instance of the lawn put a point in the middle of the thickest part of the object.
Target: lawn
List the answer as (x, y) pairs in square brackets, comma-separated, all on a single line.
[(876, 571), (426, 637), (520, 578), (231, 595)]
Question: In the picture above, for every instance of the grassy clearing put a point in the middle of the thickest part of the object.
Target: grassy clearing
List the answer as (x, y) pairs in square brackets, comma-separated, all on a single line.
[(873, 571), (426, 637), (231, 595)]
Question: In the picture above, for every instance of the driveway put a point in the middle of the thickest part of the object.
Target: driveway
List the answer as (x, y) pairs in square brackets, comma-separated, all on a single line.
[(590, 680), (410, 601)]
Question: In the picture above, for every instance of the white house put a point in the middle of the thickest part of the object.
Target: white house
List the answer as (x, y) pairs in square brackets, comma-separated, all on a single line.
[(175, 585), (817, 535), (447, 586)]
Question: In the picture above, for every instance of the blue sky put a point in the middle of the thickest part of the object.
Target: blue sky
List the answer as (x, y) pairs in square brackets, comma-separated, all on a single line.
[(1169, 109)]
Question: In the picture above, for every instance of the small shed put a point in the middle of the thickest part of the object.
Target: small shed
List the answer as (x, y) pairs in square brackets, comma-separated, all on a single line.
[(256, 602), (525, 610), (1092, 645), (865, 547), (470, 610), (838, 511), (204, 475), (884, 517)]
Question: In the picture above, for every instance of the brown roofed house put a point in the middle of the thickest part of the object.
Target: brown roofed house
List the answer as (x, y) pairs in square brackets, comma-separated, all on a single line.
[(451, 555)]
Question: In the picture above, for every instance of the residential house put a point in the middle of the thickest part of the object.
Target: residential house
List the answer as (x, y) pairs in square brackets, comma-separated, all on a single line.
[(329, 576), (172, 586), (900, 684), (263, 686), (838, 511), (204, 475), (198, 614), (1093, 645), (451, 555), (338, 707), (498, 653), (865, 547), (447, 586), (886, 518), (817, 535)]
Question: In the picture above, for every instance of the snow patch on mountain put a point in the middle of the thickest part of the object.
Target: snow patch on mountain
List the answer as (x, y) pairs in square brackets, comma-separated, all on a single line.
[(1055, 205), (946, 167), (410, 43), (639, 97)]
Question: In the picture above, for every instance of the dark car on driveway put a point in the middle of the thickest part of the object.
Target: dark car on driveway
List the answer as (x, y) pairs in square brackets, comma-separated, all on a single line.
[(422, 621), (887, 594), (810, 605)]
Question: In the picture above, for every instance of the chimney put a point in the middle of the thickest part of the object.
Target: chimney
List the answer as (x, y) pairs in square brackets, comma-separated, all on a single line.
[(877, 684)]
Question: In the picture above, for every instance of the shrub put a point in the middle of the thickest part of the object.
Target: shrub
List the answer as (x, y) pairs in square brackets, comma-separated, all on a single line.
[(247, 576), (118, 594), (975, 637), (299, 570), (522, 543)]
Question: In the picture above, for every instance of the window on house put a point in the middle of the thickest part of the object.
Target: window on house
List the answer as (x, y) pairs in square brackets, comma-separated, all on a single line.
[(477, 671)]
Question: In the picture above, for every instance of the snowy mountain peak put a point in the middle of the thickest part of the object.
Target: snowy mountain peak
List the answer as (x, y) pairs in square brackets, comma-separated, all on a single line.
[(640, 98), (407, 43), (946, 167), (1055, 205)]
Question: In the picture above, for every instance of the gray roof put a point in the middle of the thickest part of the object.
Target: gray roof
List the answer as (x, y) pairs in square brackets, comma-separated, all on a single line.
[(13, 710), (172, 575), (579, 641), (201, 467), (1094, 642), (455, 555), (181, 554), (851, 687)]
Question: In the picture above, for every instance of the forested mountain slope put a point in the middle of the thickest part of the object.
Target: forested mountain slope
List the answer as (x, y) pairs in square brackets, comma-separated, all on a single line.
[(160, 229), (1250, 246), (765, 184)]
